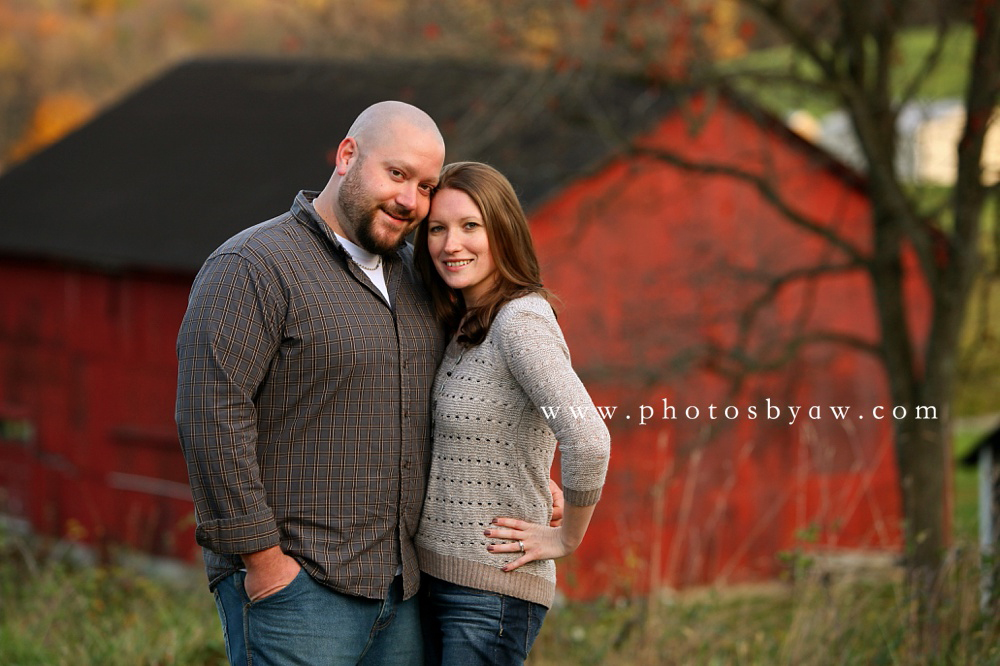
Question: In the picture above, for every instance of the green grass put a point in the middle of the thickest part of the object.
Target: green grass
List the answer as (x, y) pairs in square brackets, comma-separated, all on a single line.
[(55, 611), (966, 513), (979, 358), (966, 526)]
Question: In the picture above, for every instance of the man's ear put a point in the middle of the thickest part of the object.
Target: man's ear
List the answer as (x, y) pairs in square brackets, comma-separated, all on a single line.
[(347, 152)]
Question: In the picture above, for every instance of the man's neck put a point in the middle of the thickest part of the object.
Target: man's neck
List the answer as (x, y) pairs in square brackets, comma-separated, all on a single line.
[(325, 207)]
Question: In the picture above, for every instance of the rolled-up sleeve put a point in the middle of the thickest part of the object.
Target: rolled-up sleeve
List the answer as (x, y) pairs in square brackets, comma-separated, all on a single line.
[(227, 340)]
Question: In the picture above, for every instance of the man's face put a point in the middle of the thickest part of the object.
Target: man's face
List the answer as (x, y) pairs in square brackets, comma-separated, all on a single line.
[(386, 190)]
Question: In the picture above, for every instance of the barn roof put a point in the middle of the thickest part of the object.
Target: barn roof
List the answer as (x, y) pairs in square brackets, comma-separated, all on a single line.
[(214, 146)]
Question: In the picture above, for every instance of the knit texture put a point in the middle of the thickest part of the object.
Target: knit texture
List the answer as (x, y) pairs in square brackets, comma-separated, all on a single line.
[(494, 446)]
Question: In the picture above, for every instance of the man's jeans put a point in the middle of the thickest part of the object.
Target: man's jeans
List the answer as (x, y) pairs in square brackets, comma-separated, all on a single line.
[(466, 626), (309, 624)]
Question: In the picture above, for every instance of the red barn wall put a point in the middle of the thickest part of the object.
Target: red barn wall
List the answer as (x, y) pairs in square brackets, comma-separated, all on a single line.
[(88, 447), (658, 268)]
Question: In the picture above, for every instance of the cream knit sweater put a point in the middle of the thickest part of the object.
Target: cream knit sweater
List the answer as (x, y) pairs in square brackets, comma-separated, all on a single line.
[(493, 449)]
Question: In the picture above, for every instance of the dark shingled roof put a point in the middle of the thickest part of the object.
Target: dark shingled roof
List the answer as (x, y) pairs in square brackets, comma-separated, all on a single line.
[(214, 146), (990, 440)]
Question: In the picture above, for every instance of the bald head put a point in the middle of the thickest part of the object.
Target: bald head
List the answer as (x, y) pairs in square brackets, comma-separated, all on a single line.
[(385, 123), (387, 168)]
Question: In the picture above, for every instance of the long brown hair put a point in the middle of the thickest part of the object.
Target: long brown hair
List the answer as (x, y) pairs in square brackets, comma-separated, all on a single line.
[(510, 245)]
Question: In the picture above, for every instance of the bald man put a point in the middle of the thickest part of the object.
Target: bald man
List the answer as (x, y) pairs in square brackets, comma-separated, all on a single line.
[(306, 358)]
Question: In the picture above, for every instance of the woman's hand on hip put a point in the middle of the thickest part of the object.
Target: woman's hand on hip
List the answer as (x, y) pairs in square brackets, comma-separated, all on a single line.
[(535, 542)]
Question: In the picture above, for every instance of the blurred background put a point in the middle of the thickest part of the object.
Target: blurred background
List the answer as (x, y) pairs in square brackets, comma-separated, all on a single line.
[(744, 205)]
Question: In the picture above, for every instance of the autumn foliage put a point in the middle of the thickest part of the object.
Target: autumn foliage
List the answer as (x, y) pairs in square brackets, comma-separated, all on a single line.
[(63, 60)]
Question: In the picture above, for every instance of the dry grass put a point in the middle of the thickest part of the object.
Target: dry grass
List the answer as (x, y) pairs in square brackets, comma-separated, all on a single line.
[(820, 615)]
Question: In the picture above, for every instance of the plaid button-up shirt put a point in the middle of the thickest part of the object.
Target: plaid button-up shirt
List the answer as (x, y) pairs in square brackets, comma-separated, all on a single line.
[(303, 405)]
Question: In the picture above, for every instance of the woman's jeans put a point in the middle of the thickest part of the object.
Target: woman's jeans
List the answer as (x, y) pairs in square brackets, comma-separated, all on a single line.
[(463, 625), (307, 623)]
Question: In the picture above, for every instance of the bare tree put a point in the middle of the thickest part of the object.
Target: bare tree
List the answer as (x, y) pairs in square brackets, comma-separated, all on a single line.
[(856, 66)]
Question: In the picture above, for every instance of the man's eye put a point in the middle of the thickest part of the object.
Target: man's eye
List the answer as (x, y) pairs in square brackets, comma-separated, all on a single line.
[(396, 173)]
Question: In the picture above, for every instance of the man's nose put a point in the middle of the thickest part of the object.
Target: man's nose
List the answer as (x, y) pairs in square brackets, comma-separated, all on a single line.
[(407, 196)]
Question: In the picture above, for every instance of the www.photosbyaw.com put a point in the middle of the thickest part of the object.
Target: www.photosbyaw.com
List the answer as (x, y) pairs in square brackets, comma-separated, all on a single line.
[(768, 411)]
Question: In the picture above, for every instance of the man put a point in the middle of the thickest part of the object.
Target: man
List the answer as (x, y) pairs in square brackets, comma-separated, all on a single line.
[(306, 359)]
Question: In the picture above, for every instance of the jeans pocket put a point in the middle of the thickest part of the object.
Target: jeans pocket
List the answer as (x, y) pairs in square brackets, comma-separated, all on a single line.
[(273, 626), (287, 593)]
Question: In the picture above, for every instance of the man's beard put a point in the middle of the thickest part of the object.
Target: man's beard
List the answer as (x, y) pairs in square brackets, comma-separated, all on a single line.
[(361, 216)]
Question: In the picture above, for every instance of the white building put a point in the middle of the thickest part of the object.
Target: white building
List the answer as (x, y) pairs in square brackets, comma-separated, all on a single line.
[(928, 142)]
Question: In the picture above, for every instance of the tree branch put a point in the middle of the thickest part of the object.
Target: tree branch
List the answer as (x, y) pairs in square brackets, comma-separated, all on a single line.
[(764, 186), (929, 64), (776, 283), (772, 76), (776, 11), (743, 364)]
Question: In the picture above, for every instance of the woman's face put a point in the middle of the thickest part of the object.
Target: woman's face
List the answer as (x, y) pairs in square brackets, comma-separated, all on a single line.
[(458, 245)]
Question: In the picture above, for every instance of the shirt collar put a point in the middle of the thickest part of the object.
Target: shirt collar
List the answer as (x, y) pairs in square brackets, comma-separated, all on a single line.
[(305, 213)]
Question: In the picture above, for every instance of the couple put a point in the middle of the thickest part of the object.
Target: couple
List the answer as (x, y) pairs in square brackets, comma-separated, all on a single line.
[(341, 455)]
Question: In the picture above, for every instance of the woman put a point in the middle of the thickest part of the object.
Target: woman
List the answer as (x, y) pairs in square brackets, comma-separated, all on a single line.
[(484, 544)]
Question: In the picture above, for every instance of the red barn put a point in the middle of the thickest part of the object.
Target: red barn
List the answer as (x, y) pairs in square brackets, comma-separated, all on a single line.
[(680, 285), (715, 300)]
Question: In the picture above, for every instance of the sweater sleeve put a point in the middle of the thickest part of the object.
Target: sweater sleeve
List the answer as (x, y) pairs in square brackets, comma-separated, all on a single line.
[(536, 353)]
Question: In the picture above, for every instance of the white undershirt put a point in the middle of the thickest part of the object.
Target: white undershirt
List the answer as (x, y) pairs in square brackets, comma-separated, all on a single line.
[(364, 258)]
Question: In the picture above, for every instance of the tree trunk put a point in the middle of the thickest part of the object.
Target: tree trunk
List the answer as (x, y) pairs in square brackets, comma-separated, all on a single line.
[(922, 447)]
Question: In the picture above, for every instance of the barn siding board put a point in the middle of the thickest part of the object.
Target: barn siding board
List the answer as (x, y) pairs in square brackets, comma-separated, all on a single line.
[(88, 363)]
